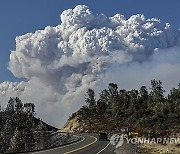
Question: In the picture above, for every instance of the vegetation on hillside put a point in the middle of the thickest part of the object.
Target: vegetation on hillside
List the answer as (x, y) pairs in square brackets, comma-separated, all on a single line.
[(136, 109), (19, 130)]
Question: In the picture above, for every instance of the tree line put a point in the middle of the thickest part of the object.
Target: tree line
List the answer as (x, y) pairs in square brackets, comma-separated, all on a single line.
[(143, 107), (19, 130)]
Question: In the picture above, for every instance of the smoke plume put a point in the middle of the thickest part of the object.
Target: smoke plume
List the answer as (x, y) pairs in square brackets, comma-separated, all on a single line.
[(89, 50)]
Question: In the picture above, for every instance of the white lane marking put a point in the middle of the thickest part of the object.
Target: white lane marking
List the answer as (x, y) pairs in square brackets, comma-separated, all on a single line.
[(60, 146), (103, 148)]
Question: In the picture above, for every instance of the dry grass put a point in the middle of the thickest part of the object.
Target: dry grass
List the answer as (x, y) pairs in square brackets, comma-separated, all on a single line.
[(159, 148)]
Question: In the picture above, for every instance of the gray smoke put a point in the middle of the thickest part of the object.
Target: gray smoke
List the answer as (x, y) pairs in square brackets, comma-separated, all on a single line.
[(88, 51)]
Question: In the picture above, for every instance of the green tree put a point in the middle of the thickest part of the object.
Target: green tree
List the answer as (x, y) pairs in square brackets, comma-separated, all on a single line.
[(143, 93), (40, 135), (17, 141), (19, 119), (18, 105), (10, 108), (83, 111), (113, 100), (29, 108), (102, 103), (101, 108), (91, 101), (7, 133), (124, 100), (2, 142), (174, 94), (29, 133), (157, 92)]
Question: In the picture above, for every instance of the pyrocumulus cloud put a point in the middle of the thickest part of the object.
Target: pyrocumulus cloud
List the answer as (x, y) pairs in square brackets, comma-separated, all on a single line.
[(89, 50)]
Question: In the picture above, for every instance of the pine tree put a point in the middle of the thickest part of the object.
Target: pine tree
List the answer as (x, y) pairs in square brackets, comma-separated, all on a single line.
[(29, 108), (18, 105), (143, 101), (157, 92), (17, 126), (113, 101), (124, 100), (90, 101), (19, 119), (17, 141), (10, 108), (2, 142), (29, 135), (41, 135), (143, 93), (7, 133), (101, 107)]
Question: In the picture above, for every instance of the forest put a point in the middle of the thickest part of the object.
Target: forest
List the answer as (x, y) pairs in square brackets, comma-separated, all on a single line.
[(19, 129), (145, 108)]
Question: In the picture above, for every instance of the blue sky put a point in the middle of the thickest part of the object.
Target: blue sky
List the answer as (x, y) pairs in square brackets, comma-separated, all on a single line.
[(21, 16)]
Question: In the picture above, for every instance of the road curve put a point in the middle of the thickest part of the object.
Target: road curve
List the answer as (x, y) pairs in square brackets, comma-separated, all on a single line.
[(88, 144)]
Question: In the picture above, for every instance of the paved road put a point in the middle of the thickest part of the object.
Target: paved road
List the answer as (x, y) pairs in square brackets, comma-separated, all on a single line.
[(88, 144), (126, 149)]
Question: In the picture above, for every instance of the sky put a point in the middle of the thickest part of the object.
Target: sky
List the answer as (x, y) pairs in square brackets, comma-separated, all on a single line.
[(20, 17), (84, 44)]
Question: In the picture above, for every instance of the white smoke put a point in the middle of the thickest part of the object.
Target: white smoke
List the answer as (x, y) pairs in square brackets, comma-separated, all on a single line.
[(85, 50)]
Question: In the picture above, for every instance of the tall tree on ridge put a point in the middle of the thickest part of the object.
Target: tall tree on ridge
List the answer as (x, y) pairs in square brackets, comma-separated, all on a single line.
[(91, 101), (157, 92)]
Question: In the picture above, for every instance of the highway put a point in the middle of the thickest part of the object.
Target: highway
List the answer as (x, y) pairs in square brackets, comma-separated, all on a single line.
[(88, 144)]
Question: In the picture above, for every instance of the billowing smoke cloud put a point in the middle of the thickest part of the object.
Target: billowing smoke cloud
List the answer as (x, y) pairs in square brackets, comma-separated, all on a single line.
[(86, 50), (8, 89)]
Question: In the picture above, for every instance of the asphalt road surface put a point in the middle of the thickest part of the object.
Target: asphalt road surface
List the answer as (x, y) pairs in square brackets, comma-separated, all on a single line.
[(88, 144)]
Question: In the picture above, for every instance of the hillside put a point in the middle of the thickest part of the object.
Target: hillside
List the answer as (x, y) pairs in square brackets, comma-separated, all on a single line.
[(141, 111), (20, 130), (91, 125)]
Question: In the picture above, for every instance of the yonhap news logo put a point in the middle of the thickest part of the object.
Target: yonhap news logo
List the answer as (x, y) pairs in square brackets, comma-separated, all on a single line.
[(118, 140)]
